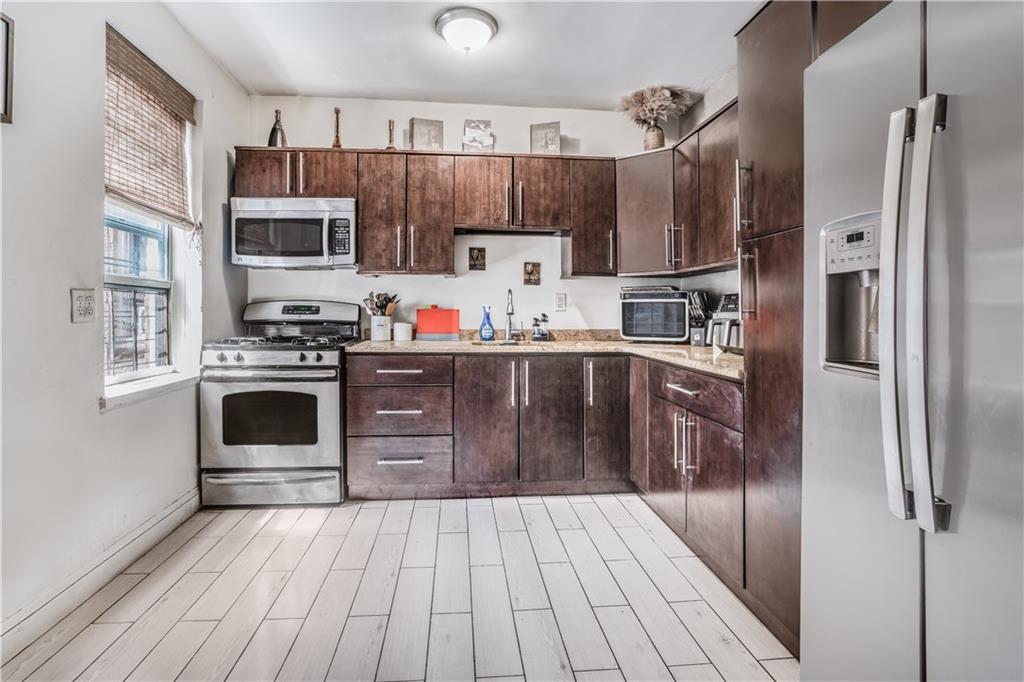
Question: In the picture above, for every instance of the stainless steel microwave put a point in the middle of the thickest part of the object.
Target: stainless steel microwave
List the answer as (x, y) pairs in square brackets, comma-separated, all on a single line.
[(293, 233), (654, 313)]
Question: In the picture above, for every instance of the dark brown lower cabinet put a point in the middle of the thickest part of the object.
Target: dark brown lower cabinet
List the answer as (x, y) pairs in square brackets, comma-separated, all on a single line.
[(713, 457), (638, 422), (605, 417), (666, 485), (550, 418), (486, 419)]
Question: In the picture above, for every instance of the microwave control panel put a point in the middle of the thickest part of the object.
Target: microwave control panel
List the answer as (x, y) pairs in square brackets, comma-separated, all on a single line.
[(849, 249), (341, 236)]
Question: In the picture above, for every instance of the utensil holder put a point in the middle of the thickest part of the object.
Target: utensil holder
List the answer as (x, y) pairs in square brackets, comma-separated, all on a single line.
[(380, 328)]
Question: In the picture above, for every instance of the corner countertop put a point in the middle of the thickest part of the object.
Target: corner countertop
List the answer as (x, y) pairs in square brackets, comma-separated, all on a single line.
[(723, 365)]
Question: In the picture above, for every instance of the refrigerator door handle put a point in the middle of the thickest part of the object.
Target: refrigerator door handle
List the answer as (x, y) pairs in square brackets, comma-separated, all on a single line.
[(932, 512), (901, 131)]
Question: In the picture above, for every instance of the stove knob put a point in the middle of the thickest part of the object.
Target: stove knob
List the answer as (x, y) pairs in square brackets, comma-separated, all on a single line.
[(239, 357), (221, 357), (319, 357), (302, 357)]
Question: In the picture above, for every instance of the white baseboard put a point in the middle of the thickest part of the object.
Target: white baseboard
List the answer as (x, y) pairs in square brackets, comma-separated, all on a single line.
[(26, 624)]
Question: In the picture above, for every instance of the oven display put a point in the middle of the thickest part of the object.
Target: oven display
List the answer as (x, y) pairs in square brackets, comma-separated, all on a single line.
[(300, 310)]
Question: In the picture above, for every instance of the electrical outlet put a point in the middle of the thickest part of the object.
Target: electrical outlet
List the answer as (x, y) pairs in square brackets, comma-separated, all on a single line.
[(560, 302), (83, 305)]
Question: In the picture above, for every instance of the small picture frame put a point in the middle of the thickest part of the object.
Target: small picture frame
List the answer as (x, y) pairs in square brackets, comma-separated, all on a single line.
[(531, 274), (546, 138), (477, 258), (6, 68), (477, 136), (426, 134)]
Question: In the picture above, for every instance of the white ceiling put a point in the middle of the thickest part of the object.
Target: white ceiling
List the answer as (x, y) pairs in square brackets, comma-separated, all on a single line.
[(579, 55)]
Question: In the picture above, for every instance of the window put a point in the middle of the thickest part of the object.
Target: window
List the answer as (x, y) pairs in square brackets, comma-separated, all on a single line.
[(136, 297)]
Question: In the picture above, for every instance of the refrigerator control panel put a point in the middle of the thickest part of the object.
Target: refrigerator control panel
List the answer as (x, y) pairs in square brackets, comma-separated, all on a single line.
[(849, 249)]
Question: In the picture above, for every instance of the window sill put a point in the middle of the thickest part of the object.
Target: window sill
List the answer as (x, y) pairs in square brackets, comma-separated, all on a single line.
[(130, 392)]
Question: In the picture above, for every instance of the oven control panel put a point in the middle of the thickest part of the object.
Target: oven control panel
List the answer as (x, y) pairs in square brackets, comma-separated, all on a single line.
[(270, 358)]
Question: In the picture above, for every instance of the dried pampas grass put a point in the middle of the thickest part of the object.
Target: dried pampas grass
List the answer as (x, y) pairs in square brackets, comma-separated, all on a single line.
[(656, 103)]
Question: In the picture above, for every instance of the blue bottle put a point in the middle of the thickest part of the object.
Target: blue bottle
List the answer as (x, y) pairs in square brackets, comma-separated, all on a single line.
[(486, 328)]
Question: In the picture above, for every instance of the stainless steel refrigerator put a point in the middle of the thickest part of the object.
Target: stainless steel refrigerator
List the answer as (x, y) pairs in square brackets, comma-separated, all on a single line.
[(914, 348)]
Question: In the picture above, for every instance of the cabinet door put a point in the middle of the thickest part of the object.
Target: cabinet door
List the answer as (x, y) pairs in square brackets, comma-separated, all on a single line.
[(592, 216), (541, 192), (837, 19), (686, 158), (644, 210), (772, 291), (638, 422), (772, 52), (325, 174), (483, 191), (713, 457), (431, 186), (606, 417), (551, 419), (719, 149), (486, 419), (263, 173), (666, 483), (381, 213)]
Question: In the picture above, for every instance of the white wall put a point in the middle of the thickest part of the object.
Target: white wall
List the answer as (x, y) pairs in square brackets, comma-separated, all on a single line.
[(592, 301), (77, 482)]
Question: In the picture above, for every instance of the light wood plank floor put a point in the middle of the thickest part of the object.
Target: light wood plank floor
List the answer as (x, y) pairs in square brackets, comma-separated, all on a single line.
[(585, 587)]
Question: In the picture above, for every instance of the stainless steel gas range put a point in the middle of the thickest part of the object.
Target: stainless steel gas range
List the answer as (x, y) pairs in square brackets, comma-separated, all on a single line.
[(271, 405)]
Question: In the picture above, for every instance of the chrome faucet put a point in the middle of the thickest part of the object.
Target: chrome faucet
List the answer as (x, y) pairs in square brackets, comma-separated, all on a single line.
[(509, 312)]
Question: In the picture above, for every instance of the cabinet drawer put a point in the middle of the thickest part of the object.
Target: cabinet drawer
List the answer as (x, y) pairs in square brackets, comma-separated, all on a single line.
[(399, 370), (397, 460), (399, 411), (713, 398)]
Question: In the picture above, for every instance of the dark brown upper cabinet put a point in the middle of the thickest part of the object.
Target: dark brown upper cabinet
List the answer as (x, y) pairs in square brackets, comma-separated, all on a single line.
[(295, 172), (263, 173), (592, 216), (644, 206), (486, 419), (837, 19), (719, 148), (430, 234), (322, 173), (773, 50), (381, 213), (483, 191), (551, 418), (605, 419), (686, 162), (541, 192)]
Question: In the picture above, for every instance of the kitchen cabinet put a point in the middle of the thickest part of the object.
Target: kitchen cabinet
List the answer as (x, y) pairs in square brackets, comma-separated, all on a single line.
[(398, 410), (551, 418), (263, 173), (773, 49), (837, 19), (644, 206), (541, 192), (686, 166), (486, 418), (430, 182), (606, 418), (483, 191), (592, 216), (323, 173), (713, 459), (771, 275), (666, 483), (638, 423), (719, 147), (381, 213), (295, 172)]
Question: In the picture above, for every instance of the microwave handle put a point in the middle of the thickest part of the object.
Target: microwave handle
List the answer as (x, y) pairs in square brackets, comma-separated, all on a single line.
[(327, 230)]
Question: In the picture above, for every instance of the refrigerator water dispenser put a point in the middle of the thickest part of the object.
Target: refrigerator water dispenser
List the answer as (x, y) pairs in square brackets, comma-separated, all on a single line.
[(849, 294)]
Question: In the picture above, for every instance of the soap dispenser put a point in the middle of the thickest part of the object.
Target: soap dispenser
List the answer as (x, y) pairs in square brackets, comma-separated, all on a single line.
[(486, 328)]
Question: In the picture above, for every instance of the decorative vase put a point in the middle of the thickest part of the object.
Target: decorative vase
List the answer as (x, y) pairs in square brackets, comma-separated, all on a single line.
[(391, 134), (337, 128), (654, 137), (277, 137)]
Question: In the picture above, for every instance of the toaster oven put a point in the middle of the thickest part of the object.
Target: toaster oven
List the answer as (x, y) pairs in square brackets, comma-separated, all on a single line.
[(654, 313)]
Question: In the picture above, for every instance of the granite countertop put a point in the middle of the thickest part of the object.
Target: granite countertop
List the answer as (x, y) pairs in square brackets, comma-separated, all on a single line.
[(725, 365)]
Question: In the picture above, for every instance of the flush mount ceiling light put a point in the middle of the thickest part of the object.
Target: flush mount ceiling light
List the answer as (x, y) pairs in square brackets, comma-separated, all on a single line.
[(466, 28)]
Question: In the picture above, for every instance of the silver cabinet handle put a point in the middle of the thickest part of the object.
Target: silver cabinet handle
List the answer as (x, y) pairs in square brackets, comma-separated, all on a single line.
[(748, 283), (687, 467), (740, 220), (684, 391), (668, 258), (590, 382), (675, 440), (302, 164), (932, 513), (526, 383), (736, 205), (672, 245), (508, 201), (412, 246), (513, 383), (398, 246), (901, 131), (399, 460), (522, 197), (415, 412), (399, 371), (611, 249), (287, 172)]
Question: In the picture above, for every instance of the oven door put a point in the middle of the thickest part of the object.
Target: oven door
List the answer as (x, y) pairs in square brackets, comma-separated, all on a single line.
[(270, 418), (280, 239), (654, 320)]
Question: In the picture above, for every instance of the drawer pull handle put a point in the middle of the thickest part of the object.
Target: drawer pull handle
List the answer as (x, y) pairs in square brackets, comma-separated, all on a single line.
[(399, 411), (401, 460), (684, 391), (399, 371)]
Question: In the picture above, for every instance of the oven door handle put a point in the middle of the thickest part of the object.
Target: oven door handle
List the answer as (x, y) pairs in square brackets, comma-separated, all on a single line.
[(236, 480), (303, 374)]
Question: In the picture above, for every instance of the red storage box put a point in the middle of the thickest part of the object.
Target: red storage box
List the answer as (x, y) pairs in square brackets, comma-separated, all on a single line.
[(437, 324)]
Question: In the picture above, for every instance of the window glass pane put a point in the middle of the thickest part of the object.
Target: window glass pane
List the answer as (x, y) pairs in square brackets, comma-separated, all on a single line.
[(269, 418), (135, 330), (279, 237), (135, 250)]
